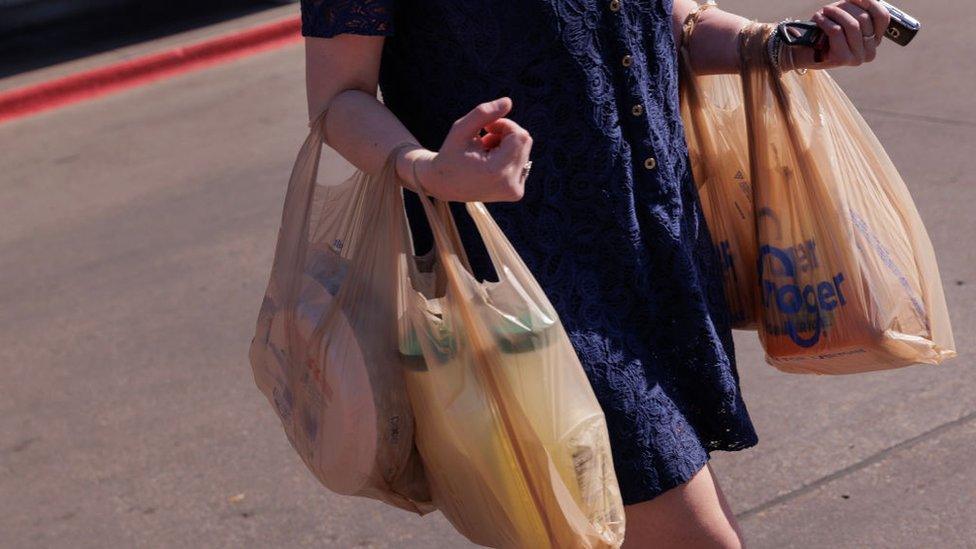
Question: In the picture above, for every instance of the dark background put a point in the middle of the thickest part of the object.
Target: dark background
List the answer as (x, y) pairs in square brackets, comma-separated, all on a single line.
[(38, 33)]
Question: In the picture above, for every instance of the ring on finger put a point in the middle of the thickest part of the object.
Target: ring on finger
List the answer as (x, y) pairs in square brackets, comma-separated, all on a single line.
[(525, 169)]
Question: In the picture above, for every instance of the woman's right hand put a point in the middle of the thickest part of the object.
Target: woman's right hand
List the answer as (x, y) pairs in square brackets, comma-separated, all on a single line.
[(470, 167)]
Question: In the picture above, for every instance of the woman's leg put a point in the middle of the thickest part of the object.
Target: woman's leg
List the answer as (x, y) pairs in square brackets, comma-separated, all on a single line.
[(693, 515)]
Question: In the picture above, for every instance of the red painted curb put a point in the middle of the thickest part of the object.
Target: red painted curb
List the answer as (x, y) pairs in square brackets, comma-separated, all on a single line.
[(59, 92)]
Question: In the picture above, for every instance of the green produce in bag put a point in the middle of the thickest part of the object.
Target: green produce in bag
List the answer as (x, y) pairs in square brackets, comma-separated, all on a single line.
[(513, 440)]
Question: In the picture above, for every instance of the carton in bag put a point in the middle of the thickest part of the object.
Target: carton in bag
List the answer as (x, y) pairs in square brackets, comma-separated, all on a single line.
[(713, 113), (847, 276)]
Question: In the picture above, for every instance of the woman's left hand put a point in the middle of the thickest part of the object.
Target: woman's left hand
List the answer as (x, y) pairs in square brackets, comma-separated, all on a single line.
[(855, 29)]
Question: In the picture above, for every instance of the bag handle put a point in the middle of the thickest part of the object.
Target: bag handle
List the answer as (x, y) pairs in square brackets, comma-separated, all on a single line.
[(445, 245), (692, 92), (503, 257), (511, 416), (507, 262), (292, 244)]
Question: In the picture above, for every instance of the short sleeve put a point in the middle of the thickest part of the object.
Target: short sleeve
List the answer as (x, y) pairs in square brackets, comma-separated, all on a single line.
[(328, 18)]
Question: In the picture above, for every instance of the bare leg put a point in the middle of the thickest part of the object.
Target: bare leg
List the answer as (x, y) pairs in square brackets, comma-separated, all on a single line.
[(693, 515)]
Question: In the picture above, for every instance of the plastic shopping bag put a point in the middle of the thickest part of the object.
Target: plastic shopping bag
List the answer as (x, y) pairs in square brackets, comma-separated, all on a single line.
[(714, 118), (512, 437), (848, 279), (325, 352)]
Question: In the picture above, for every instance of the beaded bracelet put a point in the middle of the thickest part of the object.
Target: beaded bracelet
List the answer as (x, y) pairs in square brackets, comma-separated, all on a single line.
[(773, 47)]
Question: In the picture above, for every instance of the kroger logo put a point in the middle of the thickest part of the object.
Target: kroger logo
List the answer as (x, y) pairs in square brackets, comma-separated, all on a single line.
[(803, 305)]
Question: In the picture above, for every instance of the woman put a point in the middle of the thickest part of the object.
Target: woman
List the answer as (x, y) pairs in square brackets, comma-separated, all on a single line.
[(608, 220)]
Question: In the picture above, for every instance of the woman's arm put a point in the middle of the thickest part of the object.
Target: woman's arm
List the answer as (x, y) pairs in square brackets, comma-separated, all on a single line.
[(341, 76), (714, 47)]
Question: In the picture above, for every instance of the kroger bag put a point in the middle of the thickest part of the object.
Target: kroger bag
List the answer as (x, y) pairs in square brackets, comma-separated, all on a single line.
[(325, 352), (714, 118), (513, 440), (848, 277)]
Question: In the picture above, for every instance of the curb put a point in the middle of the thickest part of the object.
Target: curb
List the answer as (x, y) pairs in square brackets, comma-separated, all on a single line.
[(20, 102)]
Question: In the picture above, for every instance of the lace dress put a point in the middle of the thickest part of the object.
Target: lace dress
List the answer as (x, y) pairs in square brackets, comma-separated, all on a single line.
[(610, 224)]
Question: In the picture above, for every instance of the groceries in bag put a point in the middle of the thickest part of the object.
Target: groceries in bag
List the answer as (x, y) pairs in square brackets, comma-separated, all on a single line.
[(325, 352), (848, 280), (512, 437), (713, 113)]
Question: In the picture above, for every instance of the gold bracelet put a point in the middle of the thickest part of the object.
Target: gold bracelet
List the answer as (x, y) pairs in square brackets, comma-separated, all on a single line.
[(416, 178), (691, 21)]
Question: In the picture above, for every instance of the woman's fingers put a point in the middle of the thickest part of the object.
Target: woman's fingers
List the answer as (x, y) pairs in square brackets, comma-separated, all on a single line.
[(870, 51), (502, 126), (490, 140), (496, 131), (835, 36), (508, 161), (469, 126), (512, 142), (512, 152), (846, 24), (491, 164), (853, 35), (880, 18), (868, 27)]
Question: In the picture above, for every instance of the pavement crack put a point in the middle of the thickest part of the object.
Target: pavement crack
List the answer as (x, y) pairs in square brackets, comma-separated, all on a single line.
[(854, 467), (920, 117)]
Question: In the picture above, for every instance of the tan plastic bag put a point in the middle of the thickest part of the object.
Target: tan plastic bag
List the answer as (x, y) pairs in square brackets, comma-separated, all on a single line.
[(513, 439), (325, 352), (714, 118), (848, 277)]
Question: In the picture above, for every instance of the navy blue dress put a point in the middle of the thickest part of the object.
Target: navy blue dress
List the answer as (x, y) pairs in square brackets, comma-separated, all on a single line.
[(610, 224)]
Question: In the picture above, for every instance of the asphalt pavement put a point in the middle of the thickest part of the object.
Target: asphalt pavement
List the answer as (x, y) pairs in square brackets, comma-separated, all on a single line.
[(135, 243)]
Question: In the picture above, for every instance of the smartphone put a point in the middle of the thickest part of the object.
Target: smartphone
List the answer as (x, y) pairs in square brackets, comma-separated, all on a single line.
[(903, 27)]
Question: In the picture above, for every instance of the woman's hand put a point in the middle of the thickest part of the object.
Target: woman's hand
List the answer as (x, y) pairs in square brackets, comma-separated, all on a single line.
[(470, 167), (846, 24)]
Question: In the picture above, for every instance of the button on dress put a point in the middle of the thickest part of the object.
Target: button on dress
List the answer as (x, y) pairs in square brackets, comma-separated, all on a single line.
[(610, 223)]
